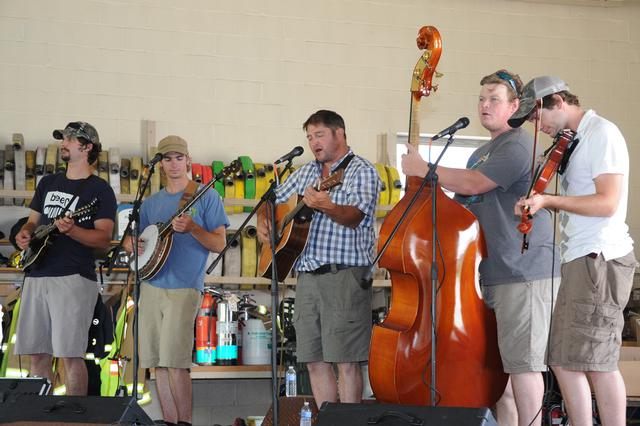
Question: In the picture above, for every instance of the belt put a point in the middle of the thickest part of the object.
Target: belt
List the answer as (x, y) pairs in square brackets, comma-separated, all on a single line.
[(593, 255), (330, 267)]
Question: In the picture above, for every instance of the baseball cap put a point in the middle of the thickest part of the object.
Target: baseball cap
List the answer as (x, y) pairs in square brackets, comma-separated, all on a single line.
[(536, 89), (79, 129), (173, 144)]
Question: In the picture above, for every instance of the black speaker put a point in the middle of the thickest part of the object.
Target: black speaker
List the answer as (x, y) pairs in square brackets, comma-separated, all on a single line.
[(13, 387), (332, 414), (73, 409)]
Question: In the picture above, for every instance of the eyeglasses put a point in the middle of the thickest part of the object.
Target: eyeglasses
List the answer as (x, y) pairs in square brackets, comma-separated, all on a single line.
[(506, 77)]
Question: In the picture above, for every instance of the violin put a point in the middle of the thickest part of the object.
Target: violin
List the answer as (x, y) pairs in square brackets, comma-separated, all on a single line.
[(545, 173)]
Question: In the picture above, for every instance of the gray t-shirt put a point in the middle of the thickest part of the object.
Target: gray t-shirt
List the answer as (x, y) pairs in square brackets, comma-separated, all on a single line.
[(506, 160)]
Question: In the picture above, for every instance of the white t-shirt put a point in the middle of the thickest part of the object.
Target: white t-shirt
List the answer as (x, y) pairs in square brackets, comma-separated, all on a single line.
[(601, 150)]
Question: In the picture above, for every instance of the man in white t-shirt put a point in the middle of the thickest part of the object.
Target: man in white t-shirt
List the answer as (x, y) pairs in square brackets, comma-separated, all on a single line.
[(598, 262)]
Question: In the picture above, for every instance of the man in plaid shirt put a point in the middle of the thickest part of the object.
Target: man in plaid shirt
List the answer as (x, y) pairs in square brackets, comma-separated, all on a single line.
[(333, 309)]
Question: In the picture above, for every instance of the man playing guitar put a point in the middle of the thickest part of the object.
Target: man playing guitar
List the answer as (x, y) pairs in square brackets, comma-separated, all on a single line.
[(332, 316), (60, 289), (169, 300)]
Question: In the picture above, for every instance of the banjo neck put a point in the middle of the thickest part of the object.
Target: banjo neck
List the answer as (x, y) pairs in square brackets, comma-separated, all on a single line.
[(166, 228)]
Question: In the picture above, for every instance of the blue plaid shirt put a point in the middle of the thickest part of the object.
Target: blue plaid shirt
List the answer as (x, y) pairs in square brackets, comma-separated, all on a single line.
[(330, 242)]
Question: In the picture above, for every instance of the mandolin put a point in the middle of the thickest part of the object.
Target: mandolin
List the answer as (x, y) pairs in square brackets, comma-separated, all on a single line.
[(44, 235)]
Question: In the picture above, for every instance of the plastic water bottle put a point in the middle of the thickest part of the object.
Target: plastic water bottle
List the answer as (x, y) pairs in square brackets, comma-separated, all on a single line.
[(291, 382), (305, 415)]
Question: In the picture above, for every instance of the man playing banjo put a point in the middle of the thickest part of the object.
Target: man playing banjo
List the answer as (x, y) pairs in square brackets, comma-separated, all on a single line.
[(170, 299)]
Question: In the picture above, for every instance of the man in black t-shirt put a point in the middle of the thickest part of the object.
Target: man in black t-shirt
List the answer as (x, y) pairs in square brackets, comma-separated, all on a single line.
[(60, 288)]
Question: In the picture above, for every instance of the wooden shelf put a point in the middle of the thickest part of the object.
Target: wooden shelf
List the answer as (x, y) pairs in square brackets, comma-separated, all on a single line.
[(128, 198), (229, 372)]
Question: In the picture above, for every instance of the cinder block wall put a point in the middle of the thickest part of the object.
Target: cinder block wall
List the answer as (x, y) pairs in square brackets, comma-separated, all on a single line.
[(241, 76)]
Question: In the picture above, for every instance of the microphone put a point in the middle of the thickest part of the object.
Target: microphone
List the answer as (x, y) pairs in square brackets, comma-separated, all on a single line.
[(460, 124), (156, 159), (295, 152)]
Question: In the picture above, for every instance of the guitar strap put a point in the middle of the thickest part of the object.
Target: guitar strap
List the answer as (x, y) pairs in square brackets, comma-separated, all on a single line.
[(565, 158), (187, 195)]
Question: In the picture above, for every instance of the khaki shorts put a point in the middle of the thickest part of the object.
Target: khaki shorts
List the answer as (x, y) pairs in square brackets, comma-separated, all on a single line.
[(587, 320), (167, 319), (332, 317), (55, 316), (523, 315)]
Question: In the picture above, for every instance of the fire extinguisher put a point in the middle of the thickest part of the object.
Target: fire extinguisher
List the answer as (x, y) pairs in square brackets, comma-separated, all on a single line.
[(206, 337)]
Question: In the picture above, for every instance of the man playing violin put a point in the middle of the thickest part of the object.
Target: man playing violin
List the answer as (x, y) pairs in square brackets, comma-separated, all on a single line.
[(518, 287), (169, 300), (598, 262)]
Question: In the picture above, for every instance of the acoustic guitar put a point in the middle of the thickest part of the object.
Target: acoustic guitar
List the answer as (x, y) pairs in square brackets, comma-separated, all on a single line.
[(293, 221)]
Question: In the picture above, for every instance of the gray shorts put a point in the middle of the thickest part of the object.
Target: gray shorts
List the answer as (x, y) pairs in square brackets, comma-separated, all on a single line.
[(332, 317), (523, 315), (167, 318), (55, 316), (587, 320)]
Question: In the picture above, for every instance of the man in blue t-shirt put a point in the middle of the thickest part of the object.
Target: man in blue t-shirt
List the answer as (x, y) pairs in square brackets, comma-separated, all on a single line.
[(169, 301), (60, 289)]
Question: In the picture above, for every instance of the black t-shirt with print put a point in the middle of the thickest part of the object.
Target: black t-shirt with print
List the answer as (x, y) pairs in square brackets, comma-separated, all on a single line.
[(67, 256)]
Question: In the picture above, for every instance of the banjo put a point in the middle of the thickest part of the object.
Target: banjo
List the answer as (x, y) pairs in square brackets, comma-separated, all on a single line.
[(159, 237)]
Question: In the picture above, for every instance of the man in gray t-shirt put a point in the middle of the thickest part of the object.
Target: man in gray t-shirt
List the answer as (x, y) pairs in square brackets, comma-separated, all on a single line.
[(517, 286)]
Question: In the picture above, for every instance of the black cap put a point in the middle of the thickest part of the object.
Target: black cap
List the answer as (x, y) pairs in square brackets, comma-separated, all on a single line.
[(79, 129)]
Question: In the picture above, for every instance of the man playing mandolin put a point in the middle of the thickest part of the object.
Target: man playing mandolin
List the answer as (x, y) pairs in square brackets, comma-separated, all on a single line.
[(517, 286), (170, 299), (60, 289), (598, 262), (332, 315)]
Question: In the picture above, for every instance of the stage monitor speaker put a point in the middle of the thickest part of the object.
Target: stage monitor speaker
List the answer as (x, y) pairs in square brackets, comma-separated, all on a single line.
[(93, 410), (332, 414), (11, 387)]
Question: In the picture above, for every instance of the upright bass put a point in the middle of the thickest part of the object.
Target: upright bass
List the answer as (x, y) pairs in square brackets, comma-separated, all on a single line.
[(469, 370)]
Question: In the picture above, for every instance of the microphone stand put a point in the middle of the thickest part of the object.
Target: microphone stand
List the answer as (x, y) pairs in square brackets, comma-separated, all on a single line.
[(133, 229), (430, 178), (270, 198)]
